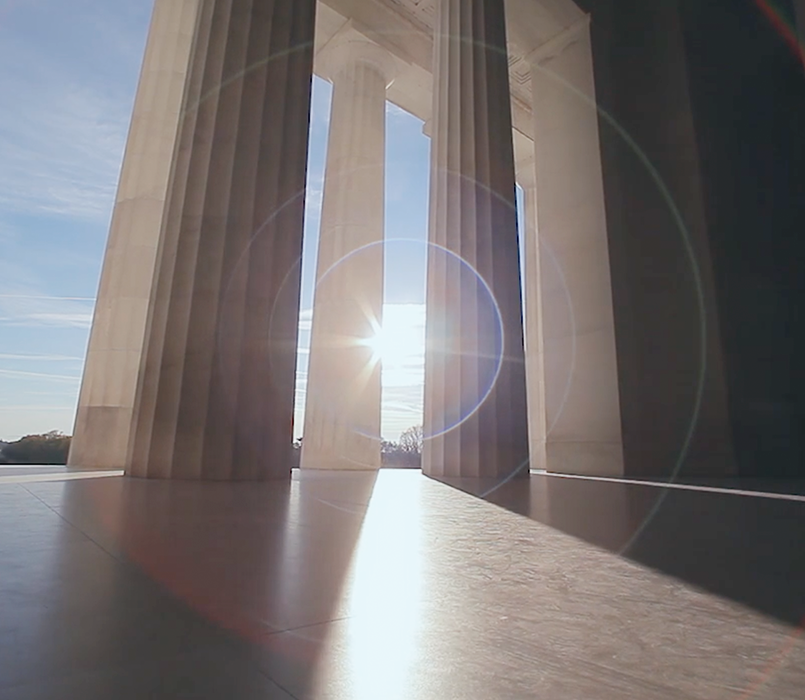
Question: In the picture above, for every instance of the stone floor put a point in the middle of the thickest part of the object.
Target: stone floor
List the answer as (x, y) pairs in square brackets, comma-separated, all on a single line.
[(339, 585)]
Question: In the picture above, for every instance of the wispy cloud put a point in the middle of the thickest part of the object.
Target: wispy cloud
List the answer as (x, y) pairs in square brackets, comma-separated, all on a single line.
[(61, 136), (37, 408), (45, 311), (19, 374), (33, 357), (40, 297), (24, 303), (60, 151), (69, 71)]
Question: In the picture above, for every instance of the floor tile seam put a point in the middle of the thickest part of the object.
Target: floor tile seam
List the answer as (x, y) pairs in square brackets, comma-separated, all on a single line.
[(27, 503), (267, 676), (309, 625), (72, 525), (274, 681)]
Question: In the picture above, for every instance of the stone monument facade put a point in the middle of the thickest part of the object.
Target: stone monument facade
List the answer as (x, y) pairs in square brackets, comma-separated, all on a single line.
[(604, 357)]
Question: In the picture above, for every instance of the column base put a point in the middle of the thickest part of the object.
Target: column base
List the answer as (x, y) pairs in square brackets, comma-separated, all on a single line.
[(101, 441), (585, 458)]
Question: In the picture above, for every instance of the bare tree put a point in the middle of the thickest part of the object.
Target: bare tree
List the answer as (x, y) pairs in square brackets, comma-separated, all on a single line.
[(405, 453), (411, 440)]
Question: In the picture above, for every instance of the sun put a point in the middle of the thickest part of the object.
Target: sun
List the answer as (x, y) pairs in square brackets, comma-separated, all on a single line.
[(400, 339), (391, 345)]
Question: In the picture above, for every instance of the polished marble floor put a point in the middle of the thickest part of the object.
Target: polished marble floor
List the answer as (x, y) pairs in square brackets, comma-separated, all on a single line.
[(394, 586)]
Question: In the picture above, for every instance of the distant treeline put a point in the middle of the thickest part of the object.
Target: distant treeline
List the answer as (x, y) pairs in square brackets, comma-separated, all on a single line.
[(407, 452), (53, 448), (50, 448)]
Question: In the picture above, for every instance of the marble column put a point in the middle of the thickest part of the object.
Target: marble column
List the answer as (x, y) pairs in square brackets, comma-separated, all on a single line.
[(579, 364), (103, 421), (475, 396), (342, 406), (216, 382), (534, 345)]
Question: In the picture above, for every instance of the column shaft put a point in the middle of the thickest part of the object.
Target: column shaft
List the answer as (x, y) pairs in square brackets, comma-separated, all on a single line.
[(216, 385), (473, 320), (103, 422), (583, 432), (342, 409), (534, 343)]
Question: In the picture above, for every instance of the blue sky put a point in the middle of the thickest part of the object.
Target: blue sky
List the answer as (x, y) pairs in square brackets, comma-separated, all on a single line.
[(69, 72)]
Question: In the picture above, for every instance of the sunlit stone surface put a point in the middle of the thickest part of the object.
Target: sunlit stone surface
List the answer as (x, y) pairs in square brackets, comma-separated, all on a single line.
[(475, 394), (216, 385), (103, 421), (342, 404), (572, 347), (360, 586), (646, 333), (532, 328)]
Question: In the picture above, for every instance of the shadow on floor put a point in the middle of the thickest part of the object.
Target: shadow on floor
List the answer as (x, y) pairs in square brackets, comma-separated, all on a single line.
[(748, 549), (105, 572)]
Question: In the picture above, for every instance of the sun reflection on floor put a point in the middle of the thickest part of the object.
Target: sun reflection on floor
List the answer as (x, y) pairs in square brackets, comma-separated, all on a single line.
[(385, 596)]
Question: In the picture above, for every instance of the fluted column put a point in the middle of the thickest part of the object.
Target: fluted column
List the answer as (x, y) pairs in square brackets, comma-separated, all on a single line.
[(216, 384), (474, 322), (534, 345), (579, 364), (342, 408), (103, 421)]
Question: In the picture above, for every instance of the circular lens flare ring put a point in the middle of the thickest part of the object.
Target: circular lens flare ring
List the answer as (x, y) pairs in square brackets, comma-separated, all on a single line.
[(399, 344)]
